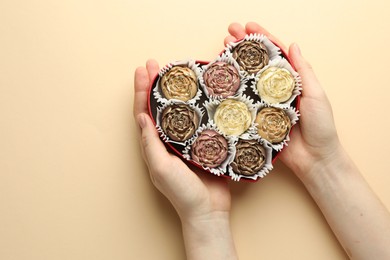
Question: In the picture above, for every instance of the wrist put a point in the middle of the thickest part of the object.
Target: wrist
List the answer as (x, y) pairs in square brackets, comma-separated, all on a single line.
[(196, 222), (331, 166), (205, 227), (209, 236)]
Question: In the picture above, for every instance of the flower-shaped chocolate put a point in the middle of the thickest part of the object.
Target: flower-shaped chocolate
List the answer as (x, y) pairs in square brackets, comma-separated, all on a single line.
[(273, 124), (179, 83), (221, 79), (179, 122), (209, 149), (252, 56), (250, 157), (232, 117), (251, 105), (275, 85)]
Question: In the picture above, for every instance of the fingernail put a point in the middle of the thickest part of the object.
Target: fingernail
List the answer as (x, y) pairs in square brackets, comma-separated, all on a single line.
[(298, 49), (141, 121)]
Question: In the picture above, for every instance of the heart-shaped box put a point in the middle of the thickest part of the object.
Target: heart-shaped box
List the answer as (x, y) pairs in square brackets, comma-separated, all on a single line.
[(230, 116)]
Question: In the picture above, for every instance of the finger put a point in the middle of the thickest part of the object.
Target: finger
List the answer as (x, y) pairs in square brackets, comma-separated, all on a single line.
[(152, 67), (288, 154), (310, 83), (164, 167), (141, 87), (237, 30), (253, 27), (151, 144), (229, 39)]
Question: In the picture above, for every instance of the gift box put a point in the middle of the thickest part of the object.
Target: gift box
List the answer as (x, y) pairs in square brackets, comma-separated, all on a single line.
[(231, 116)]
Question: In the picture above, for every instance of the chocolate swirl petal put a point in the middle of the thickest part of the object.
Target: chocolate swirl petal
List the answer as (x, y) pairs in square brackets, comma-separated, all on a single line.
[(232, 117), (209, 149), (221, 79), (250, 157), (252, 56), (179, 83), (179, 122), (273, 124), (275, 85)]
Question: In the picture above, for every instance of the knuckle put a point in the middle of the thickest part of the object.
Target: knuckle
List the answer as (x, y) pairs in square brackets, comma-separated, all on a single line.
[(308, 65)]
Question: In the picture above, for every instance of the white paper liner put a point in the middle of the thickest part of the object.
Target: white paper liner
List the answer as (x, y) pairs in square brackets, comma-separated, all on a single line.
[(220, 170), (291, 112), (212, 105), (267, 167), (273, 50), (281, 63), (231, 61), (188, 63), (248, 84), (199, 111)]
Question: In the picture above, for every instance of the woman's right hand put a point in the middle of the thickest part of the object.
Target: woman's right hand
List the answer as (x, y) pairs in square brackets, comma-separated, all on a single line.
[(314, 141), (357, 217)]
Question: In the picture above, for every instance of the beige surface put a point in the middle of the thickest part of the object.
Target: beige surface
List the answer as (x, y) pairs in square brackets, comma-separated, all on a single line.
[(72, 181)]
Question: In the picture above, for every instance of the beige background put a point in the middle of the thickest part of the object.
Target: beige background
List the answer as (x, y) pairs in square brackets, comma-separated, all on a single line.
[(72, 182)]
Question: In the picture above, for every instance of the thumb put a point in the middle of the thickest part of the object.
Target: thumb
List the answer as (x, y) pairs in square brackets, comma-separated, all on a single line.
[(151, 144)]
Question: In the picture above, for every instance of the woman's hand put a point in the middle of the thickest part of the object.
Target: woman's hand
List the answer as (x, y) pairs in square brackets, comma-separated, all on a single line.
[(356, 216), (201, 199), (314, 140)]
